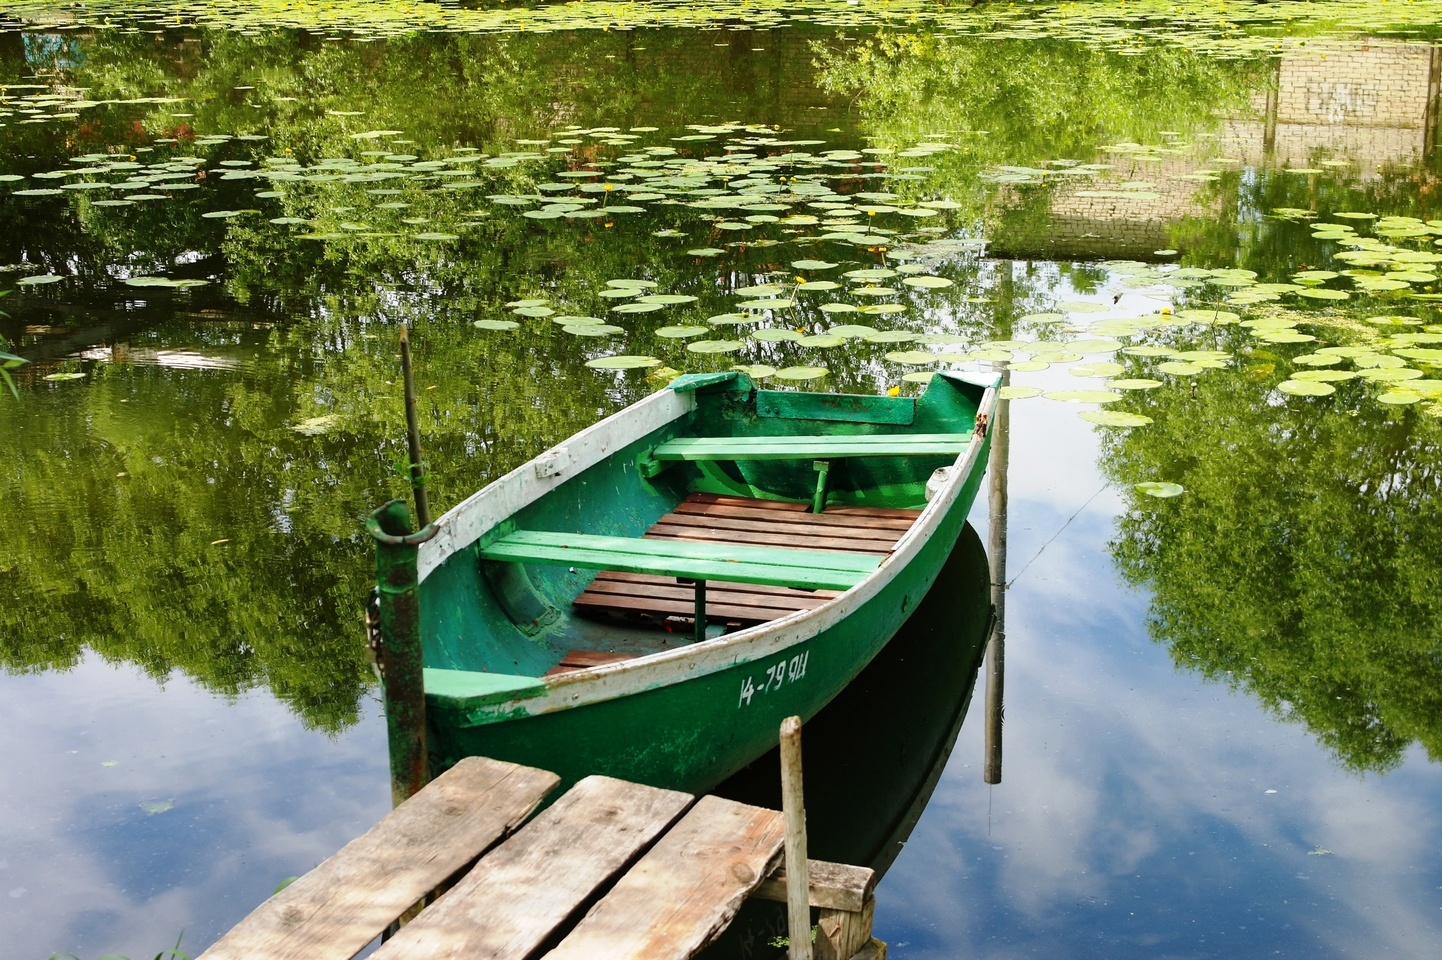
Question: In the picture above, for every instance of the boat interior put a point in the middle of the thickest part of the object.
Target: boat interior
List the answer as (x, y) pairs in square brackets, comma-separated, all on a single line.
[(642, 600), (754, 505)]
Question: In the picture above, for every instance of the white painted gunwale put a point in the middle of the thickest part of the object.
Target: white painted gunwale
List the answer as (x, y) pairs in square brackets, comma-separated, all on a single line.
[(469, 520)]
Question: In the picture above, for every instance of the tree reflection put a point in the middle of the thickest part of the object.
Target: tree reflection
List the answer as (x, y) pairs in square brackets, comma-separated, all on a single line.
[(1301, 565)]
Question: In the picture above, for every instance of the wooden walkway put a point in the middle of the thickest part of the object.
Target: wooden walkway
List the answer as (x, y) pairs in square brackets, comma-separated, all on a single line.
[(610, 870)]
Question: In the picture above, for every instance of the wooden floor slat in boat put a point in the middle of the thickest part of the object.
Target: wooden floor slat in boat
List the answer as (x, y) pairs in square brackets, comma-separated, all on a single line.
[(712, 518)]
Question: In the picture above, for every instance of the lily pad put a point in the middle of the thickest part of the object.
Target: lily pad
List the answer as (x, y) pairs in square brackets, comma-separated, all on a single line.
[(1094, 346), (801, 373), (495, 324), (714, 346), (1103, 369), (1306, 388), (637, 307), (775, 335), (38, 279), (622, 363), (912, 356), (1083, 396), (812, 264), (1115, 418), (1137, 384), (593, 330), (1160, 488), (1018, 393), (757, 371), (1180, 368), (679, 333), (927, 283)]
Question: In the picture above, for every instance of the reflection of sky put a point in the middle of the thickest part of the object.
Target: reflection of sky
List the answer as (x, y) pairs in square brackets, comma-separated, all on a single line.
[(1134, 818), (84, 868)]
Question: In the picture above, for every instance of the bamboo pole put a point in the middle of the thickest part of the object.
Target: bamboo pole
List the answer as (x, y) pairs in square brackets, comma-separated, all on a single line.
[(793, 811), (996, 536), (413, 434)]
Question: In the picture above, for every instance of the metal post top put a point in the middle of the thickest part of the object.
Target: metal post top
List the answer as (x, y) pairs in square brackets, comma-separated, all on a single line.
[(390, 524)]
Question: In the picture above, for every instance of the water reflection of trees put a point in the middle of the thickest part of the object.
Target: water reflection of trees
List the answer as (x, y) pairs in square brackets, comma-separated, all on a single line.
[(127, 565), (1302, 564)]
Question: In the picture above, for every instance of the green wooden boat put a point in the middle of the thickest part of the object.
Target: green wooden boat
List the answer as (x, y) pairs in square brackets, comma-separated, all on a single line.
[(650, 598)]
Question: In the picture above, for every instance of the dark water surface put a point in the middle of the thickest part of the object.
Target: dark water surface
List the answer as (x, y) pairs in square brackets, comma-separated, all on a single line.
[(1224, 708)]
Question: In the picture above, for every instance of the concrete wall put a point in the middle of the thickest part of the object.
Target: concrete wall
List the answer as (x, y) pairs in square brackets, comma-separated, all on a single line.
[(1373, 102)]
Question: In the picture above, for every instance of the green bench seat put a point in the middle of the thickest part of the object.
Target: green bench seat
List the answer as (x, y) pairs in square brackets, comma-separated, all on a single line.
[(813, 448), (773, 566)]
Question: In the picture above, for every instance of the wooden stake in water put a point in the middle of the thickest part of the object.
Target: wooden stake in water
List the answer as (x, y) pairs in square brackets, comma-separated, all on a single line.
[(413, 434), (793, 811), (996, 648)]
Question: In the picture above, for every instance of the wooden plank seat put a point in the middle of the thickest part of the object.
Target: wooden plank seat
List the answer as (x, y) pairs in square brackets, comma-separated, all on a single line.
[(585, 659), (812, 447), (779, 566), (706, 517), (632, 596)]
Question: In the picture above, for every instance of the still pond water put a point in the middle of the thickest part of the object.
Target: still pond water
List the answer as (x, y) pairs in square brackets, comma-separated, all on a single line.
[(1203, 253)]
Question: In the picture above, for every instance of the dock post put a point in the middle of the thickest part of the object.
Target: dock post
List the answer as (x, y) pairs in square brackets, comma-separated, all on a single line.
[(996, 647), (793, 811), (417, 470), (398, 632)]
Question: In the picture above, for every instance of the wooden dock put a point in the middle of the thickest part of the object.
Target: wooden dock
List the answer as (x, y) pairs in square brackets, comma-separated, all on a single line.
[(609, 870)]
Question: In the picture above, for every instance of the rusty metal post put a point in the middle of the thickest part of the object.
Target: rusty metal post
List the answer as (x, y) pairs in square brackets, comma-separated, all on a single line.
[(398, 654)]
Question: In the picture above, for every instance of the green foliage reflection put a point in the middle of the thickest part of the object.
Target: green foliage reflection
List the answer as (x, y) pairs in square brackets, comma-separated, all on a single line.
[(1302, 564)]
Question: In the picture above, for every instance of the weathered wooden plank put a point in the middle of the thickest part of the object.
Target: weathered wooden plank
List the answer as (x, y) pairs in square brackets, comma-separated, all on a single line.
[(680, 608), (811, 440), (584, 659), (617, 575), (599, 589), (685, 890), (808, 447), (801, 534), (784, 506), (521, 891), (802, 538), (781, 506), (677, 558), (875, 950), (785, 525), (833, 886), (840, 934), (332, 912)]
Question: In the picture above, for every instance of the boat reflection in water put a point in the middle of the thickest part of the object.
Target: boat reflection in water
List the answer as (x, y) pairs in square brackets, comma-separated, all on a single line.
[(875, 753)]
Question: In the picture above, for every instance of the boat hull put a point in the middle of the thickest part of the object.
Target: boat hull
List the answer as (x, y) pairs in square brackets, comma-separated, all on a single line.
[(693, 733)]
